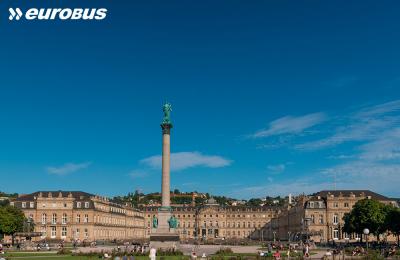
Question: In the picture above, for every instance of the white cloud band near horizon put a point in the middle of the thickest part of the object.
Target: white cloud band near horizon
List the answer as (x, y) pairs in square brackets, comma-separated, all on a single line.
[(184, 160), (291, 125), (67, 168)]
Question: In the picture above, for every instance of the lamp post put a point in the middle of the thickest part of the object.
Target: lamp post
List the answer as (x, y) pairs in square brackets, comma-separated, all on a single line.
[(366, 233), (274, 235)]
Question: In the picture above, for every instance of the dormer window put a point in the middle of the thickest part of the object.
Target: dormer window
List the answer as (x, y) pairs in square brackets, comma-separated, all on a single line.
[(23, 205), (86, 204), (311, 204), (78, 204)]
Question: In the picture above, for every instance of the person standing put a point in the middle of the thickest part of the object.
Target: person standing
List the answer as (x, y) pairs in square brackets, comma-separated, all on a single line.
[(153, 253)]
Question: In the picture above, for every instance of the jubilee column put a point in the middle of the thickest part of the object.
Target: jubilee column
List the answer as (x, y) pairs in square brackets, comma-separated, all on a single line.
[(164, 233), (166, 126)]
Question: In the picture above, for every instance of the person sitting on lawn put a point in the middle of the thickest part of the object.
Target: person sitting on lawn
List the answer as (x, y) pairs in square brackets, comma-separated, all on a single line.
[(277, 255)]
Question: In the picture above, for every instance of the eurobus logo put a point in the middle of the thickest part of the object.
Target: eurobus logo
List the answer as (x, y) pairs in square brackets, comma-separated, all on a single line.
[(58, 14)]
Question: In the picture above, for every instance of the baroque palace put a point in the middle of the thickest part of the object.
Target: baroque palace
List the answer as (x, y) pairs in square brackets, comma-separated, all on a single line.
[(319, 217), (75, 215), (213, 221)]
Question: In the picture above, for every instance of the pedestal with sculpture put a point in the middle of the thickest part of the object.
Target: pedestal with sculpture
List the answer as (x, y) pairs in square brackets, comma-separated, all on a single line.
[(163, 233)]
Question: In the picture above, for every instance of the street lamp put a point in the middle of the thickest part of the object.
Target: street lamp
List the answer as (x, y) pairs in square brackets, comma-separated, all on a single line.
[(366, 233), (274, 235)]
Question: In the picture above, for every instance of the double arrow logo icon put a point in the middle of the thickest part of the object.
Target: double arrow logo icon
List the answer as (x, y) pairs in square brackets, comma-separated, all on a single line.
[(15, 13)]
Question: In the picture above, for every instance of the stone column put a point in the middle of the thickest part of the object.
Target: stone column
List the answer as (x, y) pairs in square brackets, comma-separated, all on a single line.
[(166, 152)]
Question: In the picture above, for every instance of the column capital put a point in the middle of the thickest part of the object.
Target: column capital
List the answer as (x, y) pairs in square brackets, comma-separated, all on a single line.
[(166, 128)]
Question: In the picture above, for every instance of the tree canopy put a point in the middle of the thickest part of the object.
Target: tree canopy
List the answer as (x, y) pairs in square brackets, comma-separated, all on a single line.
[(374, 215), (11, 220)]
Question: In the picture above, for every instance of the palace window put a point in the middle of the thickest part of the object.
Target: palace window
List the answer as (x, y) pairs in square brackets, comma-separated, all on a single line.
[(312, 219), (78, 218), (86, 204), (53, 232), (44, 232), (64, 219), (44, 218), (23, 205), (346, 204), (335, 219), (31, 204), (63, 231), (311, 204), (86, 233), (321, 219), (336, 205), (335, 234), (86, 220), (78, 204), (54, 218), (77, 232)]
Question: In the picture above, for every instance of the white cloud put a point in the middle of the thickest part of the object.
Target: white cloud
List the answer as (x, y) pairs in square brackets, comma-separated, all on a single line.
[(185, 160), (279, 168), (385, 147), (376, 176), (67, 168), (291, 125), (370, 157), (359, 130), (136, 174), (389, 107), (366, 124)]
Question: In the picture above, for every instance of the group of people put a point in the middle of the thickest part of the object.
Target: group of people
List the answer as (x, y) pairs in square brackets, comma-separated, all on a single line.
[(279, 247), (389, 251), (358, 250), (193, 256)]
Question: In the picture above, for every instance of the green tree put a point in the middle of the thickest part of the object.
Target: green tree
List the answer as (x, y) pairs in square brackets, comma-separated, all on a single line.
[(11, 220), (393, 222), (254, 202), (366, 213)]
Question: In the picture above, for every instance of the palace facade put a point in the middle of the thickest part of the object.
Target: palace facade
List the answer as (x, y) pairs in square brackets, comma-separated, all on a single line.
[(319, 217), (212, 221), (76, 215)]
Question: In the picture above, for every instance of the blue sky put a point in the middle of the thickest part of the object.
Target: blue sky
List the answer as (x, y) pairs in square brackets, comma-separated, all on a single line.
[(269, 97)]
